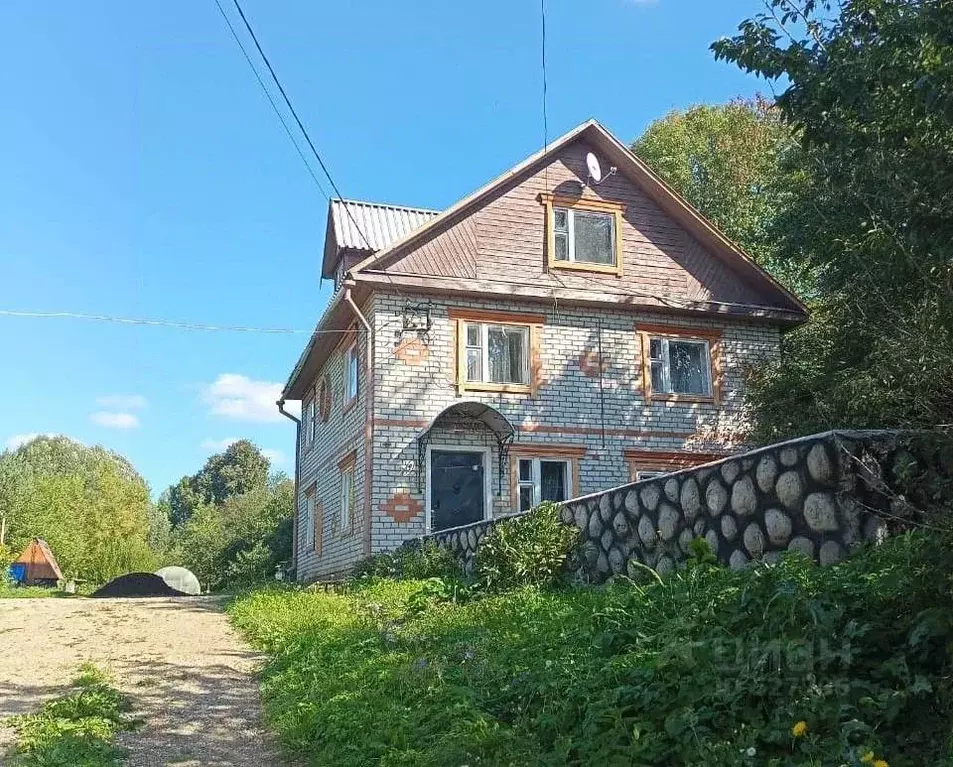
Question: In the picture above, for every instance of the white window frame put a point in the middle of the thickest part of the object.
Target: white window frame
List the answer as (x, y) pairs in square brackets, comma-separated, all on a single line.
[(535, 481), (570, 235), (666, 365), (352, 385), (485, 350), (310, 538), (308, 418), (487, 485), (348, 486)]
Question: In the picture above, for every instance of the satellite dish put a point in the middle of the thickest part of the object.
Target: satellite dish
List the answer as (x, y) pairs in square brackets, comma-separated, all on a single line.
[(595, 170)]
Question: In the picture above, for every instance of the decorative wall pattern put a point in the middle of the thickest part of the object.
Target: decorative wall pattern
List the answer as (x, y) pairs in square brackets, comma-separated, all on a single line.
[(823, 495)]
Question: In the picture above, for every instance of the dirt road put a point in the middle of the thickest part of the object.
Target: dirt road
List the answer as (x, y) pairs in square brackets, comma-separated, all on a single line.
[(188, 674)]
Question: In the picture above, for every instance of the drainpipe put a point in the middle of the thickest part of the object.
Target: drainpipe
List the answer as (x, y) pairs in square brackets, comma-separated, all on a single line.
[(368, 418), (297, 511)]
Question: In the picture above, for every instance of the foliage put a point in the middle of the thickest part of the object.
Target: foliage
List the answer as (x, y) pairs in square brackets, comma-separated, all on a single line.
[(239, 542), (77, 729), (870, 94), (528, 550), (707, 666), (425, 561), (88, 503), (735, 163), (240, 469)]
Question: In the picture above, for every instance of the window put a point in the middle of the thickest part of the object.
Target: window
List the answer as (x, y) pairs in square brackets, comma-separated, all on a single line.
[(541, 479), (496, 354), (680, 366), (582, 236), (350, 373), (348, 498), (308, 423), (643, 475), (309, 520)]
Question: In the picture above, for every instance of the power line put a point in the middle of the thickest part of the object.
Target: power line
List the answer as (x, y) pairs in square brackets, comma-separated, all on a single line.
[(304, 131), (164, 323), (271, 101)]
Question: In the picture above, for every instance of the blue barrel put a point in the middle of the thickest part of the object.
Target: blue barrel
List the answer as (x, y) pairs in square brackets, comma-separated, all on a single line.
[(18, 572)]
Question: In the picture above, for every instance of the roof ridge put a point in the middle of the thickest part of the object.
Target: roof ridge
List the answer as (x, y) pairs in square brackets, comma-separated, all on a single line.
[(368, 203)]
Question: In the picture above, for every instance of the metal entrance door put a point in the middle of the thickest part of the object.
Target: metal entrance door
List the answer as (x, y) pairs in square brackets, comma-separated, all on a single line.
[(456, 488)]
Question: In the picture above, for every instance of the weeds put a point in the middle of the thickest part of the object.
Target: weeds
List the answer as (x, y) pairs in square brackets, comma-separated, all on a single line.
[(77, 730)]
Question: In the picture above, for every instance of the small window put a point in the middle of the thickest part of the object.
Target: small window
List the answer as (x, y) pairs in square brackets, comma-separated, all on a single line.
[(309, 521), (542, 480), (307, 424), (497, 354), (680, 366), (641, 476), (351, 373), (348, 498), (585, 237)]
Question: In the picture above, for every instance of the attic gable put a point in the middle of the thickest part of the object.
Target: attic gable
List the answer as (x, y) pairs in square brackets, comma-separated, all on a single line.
[(497, 237)]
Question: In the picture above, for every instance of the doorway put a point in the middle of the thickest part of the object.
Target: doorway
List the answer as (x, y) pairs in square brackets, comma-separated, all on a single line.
[(456, 487)]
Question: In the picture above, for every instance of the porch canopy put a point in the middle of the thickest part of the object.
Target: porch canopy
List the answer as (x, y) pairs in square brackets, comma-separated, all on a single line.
[(467, 413)]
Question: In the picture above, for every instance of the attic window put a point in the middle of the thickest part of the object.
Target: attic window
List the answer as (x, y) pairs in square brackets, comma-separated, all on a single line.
[(583, 234)]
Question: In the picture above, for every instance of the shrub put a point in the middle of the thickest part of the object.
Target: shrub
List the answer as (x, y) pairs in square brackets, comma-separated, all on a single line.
[(428, 560), (529, 550)]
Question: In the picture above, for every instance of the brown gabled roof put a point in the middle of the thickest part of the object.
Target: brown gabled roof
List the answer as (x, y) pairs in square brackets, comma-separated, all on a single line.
[(631, 166)]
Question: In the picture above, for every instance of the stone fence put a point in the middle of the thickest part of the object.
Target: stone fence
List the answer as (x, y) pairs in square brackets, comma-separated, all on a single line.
[(822, 495)]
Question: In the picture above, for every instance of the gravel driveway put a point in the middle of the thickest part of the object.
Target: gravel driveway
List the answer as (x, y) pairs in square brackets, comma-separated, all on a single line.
[(188, 674)]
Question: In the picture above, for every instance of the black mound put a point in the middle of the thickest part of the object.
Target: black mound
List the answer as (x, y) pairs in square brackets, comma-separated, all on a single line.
[(138, 585)]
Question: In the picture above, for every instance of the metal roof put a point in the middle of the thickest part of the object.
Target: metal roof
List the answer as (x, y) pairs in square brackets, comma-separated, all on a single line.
[(381, 224)]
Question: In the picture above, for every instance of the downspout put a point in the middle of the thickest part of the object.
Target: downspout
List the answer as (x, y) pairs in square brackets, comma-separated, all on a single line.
[(297, 512), (368, 419)]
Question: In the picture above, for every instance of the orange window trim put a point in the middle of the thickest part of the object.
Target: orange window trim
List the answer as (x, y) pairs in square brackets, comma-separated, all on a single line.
[(533, 322), (647, 331), (617, 209), (573, 454), (348, 461), (666, 460)]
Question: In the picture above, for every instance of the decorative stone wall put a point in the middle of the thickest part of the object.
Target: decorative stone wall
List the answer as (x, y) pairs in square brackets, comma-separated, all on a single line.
[(823, 495)]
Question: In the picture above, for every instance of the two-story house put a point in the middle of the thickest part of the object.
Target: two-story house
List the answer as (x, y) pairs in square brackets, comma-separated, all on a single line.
[(550, 335)]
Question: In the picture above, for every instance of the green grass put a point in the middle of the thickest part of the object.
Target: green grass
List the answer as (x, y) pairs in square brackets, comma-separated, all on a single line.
[(707, 667), (76, 730)]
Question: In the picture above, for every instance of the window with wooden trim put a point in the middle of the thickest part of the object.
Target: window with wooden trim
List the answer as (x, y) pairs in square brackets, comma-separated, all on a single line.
[(307, 423), (348, 497), (583, 234), (310, 522), (496, 354), (641, 476), (649, 464), (542, 479), (351, 373), (680, 366), (680, 363), (324, 400)]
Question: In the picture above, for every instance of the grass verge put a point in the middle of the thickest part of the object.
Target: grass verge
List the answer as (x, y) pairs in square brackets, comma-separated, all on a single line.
[(77, 730), (785, 665)]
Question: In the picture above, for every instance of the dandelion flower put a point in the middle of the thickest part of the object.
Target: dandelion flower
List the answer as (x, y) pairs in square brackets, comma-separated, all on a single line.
[(881, 763), (799, 729), (751, 751), (867, 757)]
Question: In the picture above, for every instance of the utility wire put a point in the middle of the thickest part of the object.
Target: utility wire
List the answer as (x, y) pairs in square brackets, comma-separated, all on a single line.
[(271, 101), (165, 323), (304, 131)]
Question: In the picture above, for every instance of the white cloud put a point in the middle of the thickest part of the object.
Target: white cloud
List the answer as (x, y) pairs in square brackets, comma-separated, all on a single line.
[(275, 456), (114, 420), (122, 402), (242, 399), (19, 440)]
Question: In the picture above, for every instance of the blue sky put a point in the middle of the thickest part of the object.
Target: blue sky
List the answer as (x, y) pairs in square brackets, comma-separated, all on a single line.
[(145, 175)]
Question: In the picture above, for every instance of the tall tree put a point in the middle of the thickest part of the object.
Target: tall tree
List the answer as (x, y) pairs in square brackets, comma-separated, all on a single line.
[(732, 162), (241, 468), (89, 503), (869, 88)]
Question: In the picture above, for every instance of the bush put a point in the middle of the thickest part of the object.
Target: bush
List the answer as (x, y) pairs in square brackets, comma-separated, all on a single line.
[(791, 664), (529, 550), (428, 560)]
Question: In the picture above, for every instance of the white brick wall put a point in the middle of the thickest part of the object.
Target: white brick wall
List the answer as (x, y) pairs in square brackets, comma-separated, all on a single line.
[(566, 411)]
